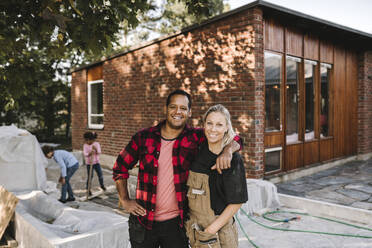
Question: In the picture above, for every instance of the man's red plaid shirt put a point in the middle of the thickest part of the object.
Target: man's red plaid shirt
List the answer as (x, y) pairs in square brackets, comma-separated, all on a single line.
[(145, 148)]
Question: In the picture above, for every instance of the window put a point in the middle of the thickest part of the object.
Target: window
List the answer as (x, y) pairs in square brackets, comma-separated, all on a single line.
[(292, 94), (325, 71), (273, 158), (95, 104), (273, 72), (310, 69)]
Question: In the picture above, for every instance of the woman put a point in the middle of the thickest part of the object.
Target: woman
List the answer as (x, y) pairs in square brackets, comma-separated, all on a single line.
[(215, 198)]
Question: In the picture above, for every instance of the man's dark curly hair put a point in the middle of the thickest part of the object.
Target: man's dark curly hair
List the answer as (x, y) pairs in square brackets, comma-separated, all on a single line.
[(179, 92)]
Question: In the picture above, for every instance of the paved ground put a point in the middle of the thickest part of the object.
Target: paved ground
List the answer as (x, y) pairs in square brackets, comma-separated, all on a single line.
[(78, 183), (349, 184)]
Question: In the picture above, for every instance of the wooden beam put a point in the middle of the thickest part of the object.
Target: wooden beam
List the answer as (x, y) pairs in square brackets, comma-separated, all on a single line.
[(8, 202)]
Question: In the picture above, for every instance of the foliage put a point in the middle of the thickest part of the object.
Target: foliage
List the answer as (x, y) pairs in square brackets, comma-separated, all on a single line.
[(173, 15), (41, 100), (41, 39), (50, 31)]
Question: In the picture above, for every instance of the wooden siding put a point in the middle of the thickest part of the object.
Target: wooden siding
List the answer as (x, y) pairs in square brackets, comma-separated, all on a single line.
[(95, 73), (294, 42), (326, 51), (339, 85), (311, 47), (273, 140), (326, 149), (311, 152), (273, 36), (352, 103), (294, 157)]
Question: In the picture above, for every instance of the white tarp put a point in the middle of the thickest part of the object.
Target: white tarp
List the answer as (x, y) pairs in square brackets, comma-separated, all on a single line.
[(22, 162), (262, 196), (41, 221)]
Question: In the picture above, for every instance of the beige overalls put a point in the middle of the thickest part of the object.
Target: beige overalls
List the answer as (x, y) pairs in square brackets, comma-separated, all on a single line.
[(202, 215)]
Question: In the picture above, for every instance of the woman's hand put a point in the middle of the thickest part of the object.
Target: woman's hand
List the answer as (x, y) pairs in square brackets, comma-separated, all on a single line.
[(222, 219), (211, 230)]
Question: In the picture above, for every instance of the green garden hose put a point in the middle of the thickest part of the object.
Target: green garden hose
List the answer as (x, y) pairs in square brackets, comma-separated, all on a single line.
[(305, 231), (245, 234), (265, 216), (319, 217)]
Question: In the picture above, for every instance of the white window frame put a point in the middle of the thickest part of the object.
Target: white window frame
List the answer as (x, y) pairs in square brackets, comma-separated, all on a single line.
[(90, 124)]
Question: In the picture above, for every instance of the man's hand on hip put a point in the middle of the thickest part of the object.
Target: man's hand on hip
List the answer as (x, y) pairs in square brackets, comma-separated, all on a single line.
[(133, 207)]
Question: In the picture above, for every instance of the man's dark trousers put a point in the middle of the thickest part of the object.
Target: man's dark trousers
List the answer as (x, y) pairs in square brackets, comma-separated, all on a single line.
[(164, 234)]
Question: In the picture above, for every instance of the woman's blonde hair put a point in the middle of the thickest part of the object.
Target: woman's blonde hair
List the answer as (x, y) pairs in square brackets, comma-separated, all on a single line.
[(230, 134)]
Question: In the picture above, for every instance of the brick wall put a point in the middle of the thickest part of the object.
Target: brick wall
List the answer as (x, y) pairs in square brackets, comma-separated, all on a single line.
[(79, 109), (221, 62), (365, 103)]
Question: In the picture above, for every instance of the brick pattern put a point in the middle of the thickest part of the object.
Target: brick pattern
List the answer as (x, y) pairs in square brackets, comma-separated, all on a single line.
[(79, 108), (365, 102), (221, 62)]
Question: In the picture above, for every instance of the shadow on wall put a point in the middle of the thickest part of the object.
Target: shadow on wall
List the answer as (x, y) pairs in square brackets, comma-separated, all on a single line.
[(216, 64)]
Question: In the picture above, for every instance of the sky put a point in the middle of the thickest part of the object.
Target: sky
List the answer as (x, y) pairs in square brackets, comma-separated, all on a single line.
[(356, 14)]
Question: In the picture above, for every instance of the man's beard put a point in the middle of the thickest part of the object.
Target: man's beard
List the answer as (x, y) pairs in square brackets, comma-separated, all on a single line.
[(176, 127)]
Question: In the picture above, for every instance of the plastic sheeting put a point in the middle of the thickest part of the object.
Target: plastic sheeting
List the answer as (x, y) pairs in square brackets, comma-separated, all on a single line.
[(262, 195), (56, 225), (22, 162)]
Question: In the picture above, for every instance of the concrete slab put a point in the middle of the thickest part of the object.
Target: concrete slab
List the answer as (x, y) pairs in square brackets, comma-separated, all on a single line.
[(327, 209), (331, 195)]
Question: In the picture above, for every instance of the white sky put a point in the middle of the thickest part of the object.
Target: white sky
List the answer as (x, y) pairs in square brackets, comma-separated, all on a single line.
[(356, 14)]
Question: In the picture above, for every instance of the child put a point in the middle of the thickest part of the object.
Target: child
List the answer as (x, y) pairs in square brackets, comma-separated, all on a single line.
[(92, 150), (69, 166)]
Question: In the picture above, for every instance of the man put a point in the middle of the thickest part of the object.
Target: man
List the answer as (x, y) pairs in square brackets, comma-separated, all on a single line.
[(165, 153)]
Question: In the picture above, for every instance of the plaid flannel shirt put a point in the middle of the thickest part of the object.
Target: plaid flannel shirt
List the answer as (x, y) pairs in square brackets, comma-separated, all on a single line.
[(145, 148)]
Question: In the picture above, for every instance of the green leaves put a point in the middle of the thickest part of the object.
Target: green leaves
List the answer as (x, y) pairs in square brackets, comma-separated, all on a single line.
[(174, 15), (37, 36)]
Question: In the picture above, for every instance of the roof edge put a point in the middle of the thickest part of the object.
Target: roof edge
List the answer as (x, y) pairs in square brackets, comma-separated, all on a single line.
[(313, 18), (259, 3), (165, 37)]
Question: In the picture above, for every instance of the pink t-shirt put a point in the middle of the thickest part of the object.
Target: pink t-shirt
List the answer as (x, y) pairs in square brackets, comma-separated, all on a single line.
[(166, 201), (94, 158)]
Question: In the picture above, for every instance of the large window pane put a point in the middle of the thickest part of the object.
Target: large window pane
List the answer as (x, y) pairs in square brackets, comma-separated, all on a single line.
[(325, 71), (292, 93), (310, 67), (273, 158), (273, 72), (95, 104), (96, 98)]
